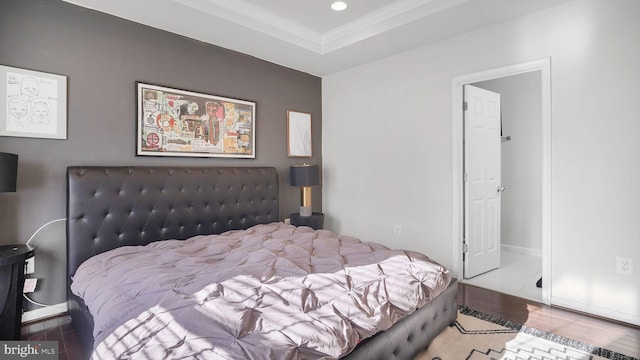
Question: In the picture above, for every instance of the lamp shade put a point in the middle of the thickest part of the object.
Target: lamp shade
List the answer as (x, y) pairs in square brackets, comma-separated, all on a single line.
[(8, 172), (304, 175)]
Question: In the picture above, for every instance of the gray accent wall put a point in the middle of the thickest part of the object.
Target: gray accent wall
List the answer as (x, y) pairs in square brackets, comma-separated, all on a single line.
[(103, 57)]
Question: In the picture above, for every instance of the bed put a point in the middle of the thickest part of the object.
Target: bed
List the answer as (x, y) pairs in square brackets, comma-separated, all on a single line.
[(116, 209)]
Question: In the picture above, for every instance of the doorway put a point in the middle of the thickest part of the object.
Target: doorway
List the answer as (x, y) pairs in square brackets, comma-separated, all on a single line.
[(540, 71)]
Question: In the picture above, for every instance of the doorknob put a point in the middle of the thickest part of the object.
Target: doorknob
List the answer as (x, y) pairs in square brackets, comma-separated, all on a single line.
[(501, 188)]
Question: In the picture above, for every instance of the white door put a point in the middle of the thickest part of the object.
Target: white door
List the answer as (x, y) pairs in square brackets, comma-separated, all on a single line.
[(482, 181)]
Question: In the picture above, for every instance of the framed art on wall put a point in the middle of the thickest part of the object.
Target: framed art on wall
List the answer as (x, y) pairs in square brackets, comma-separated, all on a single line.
[(298, 134), (174, 122), (35, 104)]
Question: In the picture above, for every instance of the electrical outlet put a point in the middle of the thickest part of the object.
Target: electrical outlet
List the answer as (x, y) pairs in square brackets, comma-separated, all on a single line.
[(30, 267), (624, 265), (397, 230)]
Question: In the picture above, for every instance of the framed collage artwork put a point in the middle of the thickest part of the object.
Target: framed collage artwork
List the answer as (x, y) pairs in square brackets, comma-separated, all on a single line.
[(173, 122)]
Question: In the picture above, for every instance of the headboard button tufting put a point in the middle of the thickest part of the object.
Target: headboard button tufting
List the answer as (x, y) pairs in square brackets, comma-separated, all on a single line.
[(113, 206)]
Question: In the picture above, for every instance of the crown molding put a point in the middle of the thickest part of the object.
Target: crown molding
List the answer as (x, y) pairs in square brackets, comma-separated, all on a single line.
[(258, 28), (391, 16), (396, 14), (259, 19)]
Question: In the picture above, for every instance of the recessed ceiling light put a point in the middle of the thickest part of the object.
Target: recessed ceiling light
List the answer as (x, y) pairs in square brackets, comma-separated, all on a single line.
[(339, 5)]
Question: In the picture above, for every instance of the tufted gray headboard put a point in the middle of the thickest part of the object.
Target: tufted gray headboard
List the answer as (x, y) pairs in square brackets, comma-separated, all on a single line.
[(109, 207)]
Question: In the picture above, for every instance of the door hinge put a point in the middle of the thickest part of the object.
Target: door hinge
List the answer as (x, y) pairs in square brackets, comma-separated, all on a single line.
[(465, 177), (465, 248), (465, 106)]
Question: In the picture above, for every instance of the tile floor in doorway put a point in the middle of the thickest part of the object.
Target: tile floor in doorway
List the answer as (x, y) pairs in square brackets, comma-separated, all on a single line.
[(516, 276)]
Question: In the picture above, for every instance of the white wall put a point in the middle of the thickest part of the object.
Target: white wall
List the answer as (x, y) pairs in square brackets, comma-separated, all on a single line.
[(388, 138), (521, 106)]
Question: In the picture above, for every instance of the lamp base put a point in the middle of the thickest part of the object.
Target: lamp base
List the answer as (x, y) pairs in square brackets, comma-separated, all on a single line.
[(315, 221), (305, 211)]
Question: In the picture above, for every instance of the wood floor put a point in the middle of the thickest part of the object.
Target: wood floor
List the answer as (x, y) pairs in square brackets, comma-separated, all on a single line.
[(56, 329), (615, 336)]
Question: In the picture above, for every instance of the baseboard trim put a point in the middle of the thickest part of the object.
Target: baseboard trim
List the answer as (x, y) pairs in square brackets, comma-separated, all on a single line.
[(44, 312), (597, 311), (521, 250)]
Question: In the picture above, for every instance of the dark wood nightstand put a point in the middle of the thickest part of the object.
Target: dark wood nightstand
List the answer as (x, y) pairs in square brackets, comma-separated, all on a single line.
[(315, 221), (12, 258)]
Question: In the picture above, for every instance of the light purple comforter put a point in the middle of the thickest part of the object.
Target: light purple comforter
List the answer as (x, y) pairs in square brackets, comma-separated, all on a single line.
[(270, 292)]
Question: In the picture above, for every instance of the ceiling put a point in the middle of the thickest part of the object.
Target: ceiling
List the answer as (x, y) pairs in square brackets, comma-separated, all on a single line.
[(308, 36)]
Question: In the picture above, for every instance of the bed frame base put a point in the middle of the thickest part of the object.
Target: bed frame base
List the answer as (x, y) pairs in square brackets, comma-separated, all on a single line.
[(413, 333)]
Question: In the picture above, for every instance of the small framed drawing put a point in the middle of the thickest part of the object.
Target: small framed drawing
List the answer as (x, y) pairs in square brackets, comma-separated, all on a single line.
[(34, 104), (298, 134), (173, 122)]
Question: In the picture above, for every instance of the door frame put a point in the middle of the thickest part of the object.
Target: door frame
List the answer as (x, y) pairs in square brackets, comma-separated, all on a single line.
[(458, 82)]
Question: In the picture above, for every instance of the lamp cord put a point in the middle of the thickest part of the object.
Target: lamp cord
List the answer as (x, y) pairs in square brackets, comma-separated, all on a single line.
[(42, 227), (28, 241), (37, 303)]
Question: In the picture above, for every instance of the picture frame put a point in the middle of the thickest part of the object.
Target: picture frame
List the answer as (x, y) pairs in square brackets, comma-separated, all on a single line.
[(299, 133), (34, 104), (175, 122)]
